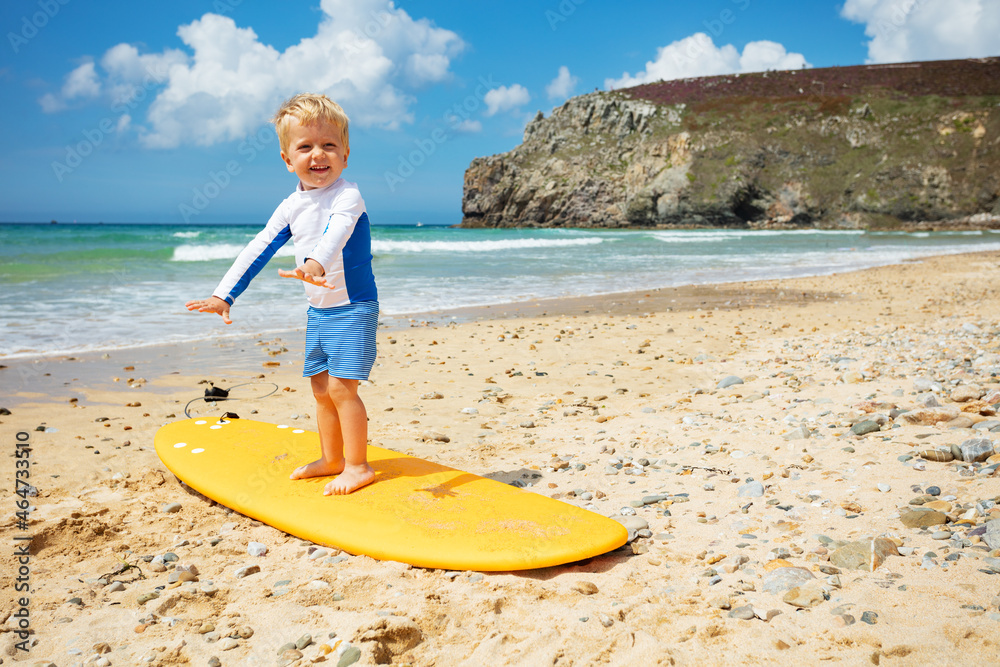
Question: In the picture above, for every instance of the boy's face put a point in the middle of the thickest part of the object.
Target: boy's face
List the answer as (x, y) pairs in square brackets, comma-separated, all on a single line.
[(315, 153)]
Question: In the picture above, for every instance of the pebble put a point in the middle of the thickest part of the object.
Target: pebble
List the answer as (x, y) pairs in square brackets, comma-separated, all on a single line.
[(585, 587), (751, 490), (228, 644), (785, 578), (350, 656), (866, 555), (976, 450), (805, 597), (257, 549), (865, 427), (920, 518), (247, 570), (729, 381), (744, 613), (170, 508)]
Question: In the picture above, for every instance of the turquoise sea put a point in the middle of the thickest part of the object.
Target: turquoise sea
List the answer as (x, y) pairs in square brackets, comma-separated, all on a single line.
[(70, 288)]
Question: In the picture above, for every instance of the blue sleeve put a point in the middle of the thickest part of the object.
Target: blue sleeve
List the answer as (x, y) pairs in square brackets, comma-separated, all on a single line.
[(253, 258)]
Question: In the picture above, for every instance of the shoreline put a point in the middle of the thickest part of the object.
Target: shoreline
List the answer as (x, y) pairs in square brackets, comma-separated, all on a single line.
[(616, 405), (654, 300)]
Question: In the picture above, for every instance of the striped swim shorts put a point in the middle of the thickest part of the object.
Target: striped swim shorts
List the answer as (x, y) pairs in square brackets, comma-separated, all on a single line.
[(341, 340)]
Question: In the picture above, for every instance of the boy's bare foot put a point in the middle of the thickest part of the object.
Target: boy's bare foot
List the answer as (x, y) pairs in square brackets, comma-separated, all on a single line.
[(318, 468), (352, 479)]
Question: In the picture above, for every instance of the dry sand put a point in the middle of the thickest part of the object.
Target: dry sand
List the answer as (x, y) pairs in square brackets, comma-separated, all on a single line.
[(599, 402)]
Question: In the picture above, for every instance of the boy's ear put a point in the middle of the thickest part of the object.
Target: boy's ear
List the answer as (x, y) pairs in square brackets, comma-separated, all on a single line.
[(288, 162)]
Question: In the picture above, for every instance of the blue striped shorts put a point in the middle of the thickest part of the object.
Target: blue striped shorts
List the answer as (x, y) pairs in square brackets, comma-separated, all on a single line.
[(341, 340)]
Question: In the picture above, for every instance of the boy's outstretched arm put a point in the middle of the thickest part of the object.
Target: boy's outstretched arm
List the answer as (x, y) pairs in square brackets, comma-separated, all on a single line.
[(212, 304), (310, 271)]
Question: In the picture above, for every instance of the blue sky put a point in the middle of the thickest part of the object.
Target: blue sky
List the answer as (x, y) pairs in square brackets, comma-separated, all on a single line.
[(157, 112)]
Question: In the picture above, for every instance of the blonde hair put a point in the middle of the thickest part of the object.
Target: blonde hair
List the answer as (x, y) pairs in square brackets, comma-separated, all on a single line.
[(309, 108)]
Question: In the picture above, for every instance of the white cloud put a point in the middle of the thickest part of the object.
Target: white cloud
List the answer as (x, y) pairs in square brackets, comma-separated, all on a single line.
[(697, 55), (906, 30), (562, 86), (469, 126), (81, 82), (504, 98), (366, 54)]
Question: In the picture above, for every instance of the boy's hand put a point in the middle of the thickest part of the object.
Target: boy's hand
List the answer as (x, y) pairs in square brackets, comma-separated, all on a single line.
[(212, 304), (310, 272)]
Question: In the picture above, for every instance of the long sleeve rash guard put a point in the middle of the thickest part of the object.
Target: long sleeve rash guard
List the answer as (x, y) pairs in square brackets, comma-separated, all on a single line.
[(328, 225)]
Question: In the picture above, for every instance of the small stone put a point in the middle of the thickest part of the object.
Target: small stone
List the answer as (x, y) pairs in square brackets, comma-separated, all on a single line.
[(214, 662), (349, 656), (744, 613), (976, 450), (843, 620), (257, 549), (921, 518), (865, 555), (884, 488), (938, 455), (751, 490), (289, 655), (247, 570), (783, 579), (585, 588), (170, 508), (930, 416), (966, 393), (941, 535), (228, 644), (303, 641), (869, 617), (805, 597), (865, 427), (729, 381)]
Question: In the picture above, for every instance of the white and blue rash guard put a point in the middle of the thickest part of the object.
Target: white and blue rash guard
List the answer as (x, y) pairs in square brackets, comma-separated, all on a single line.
[(328, 225)]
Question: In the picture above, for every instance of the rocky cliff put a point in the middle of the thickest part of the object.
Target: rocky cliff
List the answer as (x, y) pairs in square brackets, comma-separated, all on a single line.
[(915, 145)]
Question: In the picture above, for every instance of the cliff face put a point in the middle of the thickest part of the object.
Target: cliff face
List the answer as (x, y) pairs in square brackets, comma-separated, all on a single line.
[(746, 151)]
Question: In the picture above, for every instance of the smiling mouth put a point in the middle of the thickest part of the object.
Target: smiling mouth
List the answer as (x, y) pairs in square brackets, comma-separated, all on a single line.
[(318, 168)]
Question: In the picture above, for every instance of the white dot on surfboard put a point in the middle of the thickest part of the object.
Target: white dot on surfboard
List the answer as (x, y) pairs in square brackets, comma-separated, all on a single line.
[(200, 422), (199, 450), (282, 425), (180, 444), (216, 426), (298, 430)]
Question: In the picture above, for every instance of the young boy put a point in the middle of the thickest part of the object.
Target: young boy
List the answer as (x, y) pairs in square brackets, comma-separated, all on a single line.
[(325, 217)]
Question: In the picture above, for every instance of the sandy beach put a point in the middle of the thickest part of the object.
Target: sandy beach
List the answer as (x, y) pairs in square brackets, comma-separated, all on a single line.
[(782, 451)]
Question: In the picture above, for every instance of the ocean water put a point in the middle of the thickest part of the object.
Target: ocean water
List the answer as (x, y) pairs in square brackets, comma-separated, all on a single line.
[(75, 288)]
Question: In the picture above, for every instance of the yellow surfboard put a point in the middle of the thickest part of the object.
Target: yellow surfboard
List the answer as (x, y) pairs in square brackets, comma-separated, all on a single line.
[(415, 512)]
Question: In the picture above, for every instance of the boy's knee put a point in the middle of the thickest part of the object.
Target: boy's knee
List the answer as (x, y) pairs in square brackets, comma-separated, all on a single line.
[(339, 389)]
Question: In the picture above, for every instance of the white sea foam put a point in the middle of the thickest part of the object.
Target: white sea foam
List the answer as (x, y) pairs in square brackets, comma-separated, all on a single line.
[(208, 253), (701, 236), (186, 235), (390, 247)]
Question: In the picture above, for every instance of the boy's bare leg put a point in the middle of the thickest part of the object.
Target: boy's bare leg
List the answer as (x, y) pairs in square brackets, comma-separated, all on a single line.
[(331, 461), (343, 431)]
